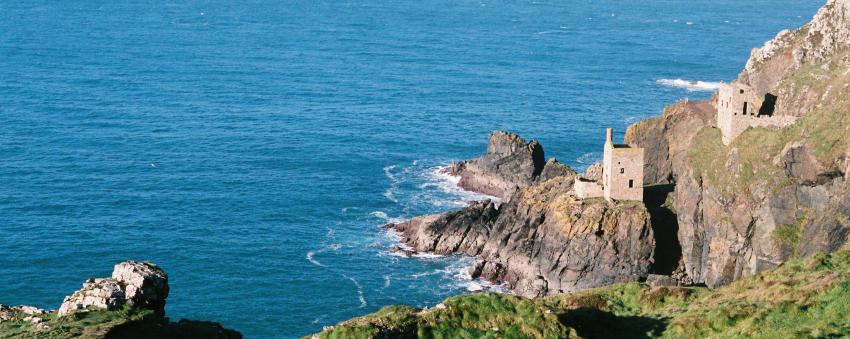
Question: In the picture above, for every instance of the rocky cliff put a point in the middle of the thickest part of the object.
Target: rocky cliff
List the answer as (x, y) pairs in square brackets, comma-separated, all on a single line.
[(543, 240), (129, 304), (509, 164), (714, 214), (773, 193)]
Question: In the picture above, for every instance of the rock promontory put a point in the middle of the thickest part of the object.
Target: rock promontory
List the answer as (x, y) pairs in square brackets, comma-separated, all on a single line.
[(129, 304), (543, 240), (509, 164)]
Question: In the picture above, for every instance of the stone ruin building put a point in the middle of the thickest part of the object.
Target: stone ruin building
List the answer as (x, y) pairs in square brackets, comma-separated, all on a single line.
[(740, 107), (622, 174)]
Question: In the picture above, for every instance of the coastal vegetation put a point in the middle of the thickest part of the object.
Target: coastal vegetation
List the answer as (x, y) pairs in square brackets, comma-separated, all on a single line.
[(801, 298)]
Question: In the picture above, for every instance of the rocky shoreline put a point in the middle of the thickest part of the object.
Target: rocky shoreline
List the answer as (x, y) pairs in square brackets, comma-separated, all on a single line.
[(713, 213), (540, 240), (717, 210)]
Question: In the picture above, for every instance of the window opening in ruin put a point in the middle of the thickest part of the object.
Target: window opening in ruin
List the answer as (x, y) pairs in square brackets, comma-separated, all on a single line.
[(745, 108), (768, 106), (631, 183)]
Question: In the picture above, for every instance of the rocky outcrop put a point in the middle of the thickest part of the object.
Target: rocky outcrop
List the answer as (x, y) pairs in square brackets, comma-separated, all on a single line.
[(145, 284), (129, 304), (509, 164), (544, 241), (133, 283), (101, 294), (667, 139), (822, 42)]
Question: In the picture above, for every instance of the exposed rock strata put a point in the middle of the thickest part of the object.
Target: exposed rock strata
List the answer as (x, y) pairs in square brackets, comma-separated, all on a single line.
[(509, 164), (544, 241)]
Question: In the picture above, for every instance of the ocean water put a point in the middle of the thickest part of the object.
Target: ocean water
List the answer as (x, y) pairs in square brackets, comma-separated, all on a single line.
[(253, 149)]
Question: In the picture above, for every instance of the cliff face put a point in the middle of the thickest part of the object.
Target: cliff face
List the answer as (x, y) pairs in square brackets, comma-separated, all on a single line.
[(796, 64), (773, 193), (543, 241)]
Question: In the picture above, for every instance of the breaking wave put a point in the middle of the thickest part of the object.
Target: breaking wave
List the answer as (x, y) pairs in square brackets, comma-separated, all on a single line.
[(690, 86)]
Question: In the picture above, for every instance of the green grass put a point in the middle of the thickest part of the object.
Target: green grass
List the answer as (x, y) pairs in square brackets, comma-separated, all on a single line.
[(826, 131), (801, 298), (789, 234), (127, 322), (93, 324)]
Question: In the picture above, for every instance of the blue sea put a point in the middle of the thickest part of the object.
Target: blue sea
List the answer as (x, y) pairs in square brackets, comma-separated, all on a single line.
[(253, 149)]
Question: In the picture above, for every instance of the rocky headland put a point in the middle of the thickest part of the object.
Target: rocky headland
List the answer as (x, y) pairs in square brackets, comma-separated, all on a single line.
[(129, 304), (713, 213), (542, 240), (509, 164)]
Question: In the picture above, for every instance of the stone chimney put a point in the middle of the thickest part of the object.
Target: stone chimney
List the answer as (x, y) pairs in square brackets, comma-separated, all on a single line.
[(609, 136)]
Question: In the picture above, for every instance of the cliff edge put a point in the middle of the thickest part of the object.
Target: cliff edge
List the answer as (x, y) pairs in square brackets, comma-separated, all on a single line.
[(129, 304), (773, 193)]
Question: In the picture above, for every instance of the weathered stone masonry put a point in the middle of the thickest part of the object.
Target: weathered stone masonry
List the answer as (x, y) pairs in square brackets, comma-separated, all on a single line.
[(622, 174), (739, 107)]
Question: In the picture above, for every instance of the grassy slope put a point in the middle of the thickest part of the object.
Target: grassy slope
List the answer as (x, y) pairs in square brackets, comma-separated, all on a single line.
[(83, 325), (826, 130), (807, 297), (127, 322)]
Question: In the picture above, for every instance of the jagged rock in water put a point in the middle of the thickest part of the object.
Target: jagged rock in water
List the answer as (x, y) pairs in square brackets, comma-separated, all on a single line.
[(139, 284), (544, 241), (509, 164)]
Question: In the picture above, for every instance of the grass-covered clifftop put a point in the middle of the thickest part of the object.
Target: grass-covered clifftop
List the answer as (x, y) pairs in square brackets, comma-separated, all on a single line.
[(127, 322), (801, 298)]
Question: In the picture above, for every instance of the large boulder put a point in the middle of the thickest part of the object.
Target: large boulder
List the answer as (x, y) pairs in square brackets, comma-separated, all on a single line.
[(140, 284), (145, 284)]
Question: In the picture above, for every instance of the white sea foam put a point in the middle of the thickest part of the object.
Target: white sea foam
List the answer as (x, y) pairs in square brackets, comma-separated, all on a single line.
[(631, 119), (394, 181), (459, 272), (387, 280), (439, 178), (388, 171), (359, 291), (313, 261), (690, 86), (428, 255), (390, 195), (390, 220), (320, 318), (589, 158)]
